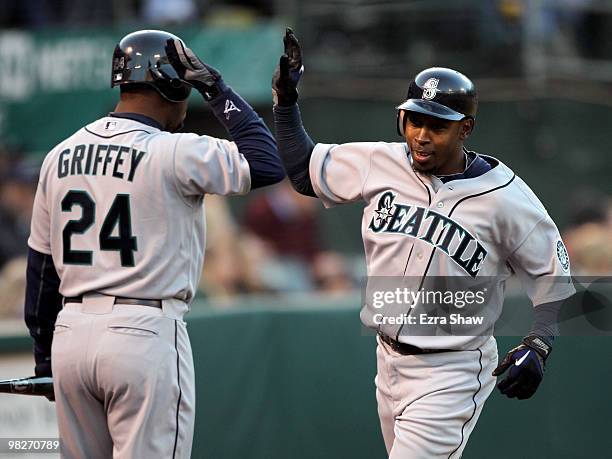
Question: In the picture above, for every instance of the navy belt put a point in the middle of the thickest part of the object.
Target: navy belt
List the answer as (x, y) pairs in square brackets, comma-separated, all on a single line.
[(120, 300), (408, 349)]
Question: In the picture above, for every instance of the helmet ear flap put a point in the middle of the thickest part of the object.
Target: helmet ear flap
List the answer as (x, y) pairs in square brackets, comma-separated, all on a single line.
[(401, 122)]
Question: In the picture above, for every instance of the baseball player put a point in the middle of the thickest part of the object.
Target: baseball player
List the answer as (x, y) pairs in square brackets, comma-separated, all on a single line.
[(431, 209), (118, 231)]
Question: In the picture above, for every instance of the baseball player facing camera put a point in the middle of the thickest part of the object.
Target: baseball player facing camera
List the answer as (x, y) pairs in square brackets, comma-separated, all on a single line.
[(116, 250), (433, 208)]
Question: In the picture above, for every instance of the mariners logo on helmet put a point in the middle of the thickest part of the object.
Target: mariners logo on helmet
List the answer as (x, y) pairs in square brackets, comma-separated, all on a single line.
[(439, 92), (430, 88)]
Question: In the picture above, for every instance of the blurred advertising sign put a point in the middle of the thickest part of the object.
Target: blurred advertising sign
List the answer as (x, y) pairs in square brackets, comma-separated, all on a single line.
[(54, 81)]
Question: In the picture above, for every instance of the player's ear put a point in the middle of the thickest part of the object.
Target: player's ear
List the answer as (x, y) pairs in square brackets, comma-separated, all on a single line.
[(467, 126)]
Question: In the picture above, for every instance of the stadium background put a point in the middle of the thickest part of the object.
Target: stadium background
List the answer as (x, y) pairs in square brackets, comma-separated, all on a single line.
[(283, 367)]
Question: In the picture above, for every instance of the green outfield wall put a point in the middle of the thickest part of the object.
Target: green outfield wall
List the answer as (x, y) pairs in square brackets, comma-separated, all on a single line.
[(297, 381)]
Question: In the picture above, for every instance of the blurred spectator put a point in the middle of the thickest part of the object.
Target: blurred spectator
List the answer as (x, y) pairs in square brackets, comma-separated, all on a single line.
[(500, 31), (232, 259), (330, 274), (286, 221), (12, 288), (572, 28), (262, 7), (44, 13), (239, 11), (126, 11), (592, 35), (288, 224), (17, 190), (589, 238), (588, 206), (590, 249), (166, 12), (25, 13), (84, 12)]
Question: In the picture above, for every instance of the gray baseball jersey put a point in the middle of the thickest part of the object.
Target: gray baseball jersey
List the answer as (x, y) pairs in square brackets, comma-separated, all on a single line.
[(120, 208), (146, 238), (415, 226)]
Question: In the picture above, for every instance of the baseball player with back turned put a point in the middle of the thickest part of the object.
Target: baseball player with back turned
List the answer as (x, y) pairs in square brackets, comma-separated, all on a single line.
[(433, 208), (118, 231)]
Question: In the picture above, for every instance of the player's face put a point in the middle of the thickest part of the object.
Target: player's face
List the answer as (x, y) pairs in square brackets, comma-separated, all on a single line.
[(436, 145)]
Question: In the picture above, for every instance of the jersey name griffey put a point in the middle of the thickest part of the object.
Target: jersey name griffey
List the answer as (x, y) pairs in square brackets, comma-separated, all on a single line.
[(120, 207)]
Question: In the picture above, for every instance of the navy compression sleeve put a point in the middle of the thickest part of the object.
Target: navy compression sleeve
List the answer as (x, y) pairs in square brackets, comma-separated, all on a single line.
[(295, 147), (251, 135), (546, 320), (42, 304)]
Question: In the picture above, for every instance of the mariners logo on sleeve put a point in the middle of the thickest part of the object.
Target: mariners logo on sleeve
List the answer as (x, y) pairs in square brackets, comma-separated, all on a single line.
[(563, 256), (425, 224)]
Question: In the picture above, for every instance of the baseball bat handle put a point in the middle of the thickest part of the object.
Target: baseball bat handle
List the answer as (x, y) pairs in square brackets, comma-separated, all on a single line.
[(28, 386)]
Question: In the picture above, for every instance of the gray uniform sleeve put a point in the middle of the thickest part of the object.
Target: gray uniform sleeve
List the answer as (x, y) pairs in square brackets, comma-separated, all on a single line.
[(40, 225), (542, 264), (339, 172), (207, 165)]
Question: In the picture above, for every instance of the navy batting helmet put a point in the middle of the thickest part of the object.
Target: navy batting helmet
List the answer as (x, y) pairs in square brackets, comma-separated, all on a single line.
[(140, 59), (440, 92)]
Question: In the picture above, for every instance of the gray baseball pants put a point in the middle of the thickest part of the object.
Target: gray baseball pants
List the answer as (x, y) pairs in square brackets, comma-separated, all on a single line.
[(124, 381), (428, 404)]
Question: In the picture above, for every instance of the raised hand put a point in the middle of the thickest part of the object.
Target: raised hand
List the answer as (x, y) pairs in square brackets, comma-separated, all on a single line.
[(288, 71)]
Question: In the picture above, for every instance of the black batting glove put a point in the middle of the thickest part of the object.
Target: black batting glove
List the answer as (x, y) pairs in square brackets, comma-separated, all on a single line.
[(288, 72), (42, 355), (42, 369), (192, 71), (526, 364)]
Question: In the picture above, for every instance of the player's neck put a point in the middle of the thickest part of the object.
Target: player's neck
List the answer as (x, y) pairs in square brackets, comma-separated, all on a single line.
[(455, 165), (146, 109)]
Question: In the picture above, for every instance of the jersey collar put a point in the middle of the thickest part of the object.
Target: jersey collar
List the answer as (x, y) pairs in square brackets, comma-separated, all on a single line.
[(137, 117), (471, 159)]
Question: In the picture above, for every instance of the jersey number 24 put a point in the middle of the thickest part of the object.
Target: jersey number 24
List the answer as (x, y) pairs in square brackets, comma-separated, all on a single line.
[(118, 215)]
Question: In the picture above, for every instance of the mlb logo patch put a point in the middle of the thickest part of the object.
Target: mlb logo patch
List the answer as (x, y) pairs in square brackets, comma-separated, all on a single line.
[(110, 125)]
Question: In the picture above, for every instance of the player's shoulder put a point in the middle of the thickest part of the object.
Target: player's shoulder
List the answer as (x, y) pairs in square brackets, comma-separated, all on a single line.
[(109, 127), (370, 151), (147, 136), (396, 149), (66, 144), (114, 129), (517, 196), (191, 144), (345, 148), (106, 129)]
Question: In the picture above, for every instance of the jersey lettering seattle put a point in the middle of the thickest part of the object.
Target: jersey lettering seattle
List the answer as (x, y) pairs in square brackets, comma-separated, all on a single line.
[(422, 223), (100, 159)]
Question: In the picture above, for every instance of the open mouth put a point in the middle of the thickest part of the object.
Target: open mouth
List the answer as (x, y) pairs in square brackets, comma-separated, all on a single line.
[(421, 154)]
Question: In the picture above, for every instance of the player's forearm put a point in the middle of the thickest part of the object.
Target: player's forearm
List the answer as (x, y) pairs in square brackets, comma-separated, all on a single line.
[(251, 135), (546, 320), (42, 304), (295, 147)]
